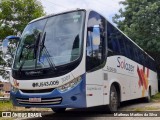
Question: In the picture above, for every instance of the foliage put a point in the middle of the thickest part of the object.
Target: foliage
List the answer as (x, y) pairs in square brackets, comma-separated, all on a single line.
[(8, 106), (140, 20), (156, 97), (14, 16)]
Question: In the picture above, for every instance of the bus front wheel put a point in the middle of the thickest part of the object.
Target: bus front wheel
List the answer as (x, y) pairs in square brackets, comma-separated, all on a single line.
[(113, 100), (58, 110)]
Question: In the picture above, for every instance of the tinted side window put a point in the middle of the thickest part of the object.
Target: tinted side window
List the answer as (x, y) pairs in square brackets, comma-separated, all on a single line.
[(95, 41), (122, 44), (136, 54), (131, 50), (113, 39), (128, 54)]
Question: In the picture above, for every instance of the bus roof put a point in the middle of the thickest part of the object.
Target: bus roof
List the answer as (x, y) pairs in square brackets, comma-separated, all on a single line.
[(50, 15)]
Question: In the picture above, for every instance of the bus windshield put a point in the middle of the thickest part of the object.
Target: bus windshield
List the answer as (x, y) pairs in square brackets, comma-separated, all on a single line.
[(61, 36)]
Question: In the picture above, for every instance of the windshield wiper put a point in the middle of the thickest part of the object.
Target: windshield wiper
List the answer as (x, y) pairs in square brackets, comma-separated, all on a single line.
[(25, 57), (28, 47), (43, 47), (36, 45)]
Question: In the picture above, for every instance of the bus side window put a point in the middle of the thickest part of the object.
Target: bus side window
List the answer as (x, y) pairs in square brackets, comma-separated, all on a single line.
[(122, 45), (113, 38), (95, 42), (142, 58)]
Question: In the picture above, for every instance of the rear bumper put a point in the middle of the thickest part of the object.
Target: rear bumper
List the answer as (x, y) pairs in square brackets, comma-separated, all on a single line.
[(73, 98)]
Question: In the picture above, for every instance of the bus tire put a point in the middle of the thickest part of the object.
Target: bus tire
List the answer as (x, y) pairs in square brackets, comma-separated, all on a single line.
[(148, 98), (113, 100), (58, 110)]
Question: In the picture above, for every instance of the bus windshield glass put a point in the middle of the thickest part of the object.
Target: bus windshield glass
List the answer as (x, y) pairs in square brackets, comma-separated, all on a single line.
[(57, 39)]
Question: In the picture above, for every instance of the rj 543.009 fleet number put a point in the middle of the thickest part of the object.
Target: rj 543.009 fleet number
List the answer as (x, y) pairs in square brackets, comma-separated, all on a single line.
[(48, 83)]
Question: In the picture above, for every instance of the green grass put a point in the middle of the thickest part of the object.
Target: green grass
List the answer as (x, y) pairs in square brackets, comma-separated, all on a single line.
[(6, 118), (6, 106), (156, 97), (145, 109)]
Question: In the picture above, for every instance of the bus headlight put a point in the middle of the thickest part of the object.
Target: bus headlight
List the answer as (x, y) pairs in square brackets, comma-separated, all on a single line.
[(69, 85), (14, 89)]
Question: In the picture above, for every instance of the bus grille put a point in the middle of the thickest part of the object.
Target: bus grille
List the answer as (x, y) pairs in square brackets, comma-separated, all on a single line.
[(38, 91), (44, 101)]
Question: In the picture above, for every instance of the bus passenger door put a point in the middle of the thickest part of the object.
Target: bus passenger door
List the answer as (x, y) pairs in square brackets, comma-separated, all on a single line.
[(94, 88), (95, 59)]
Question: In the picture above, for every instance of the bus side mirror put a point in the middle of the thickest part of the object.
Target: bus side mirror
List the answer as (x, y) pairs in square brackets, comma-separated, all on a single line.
[(11, 37), (9, 46)]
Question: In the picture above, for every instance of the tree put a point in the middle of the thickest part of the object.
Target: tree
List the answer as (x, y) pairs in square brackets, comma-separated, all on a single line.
[(14, 16)]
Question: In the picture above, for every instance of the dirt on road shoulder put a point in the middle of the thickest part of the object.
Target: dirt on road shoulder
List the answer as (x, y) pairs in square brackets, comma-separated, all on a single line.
[(140, 106)]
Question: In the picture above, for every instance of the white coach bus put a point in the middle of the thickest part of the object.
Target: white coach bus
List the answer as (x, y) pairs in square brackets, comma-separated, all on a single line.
[(78, 59)]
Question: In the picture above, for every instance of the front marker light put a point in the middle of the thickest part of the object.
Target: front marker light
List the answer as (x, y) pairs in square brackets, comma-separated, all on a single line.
[(14, 89), (69, 85)]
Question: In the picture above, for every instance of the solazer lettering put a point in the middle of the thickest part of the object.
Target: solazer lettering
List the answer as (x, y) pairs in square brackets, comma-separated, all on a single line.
[(124, 65)]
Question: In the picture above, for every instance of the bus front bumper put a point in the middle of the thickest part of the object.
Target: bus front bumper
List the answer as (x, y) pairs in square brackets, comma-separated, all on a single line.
[(73, 98)]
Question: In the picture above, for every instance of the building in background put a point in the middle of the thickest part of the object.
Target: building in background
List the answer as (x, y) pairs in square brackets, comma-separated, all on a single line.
[(5, 89)]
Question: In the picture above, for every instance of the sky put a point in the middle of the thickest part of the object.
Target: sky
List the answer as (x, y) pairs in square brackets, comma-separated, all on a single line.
[(108, 8)]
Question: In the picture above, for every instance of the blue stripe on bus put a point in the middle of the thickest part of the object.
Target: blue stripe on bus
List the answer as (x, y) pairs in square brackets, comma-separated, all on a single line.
[(73, 98)]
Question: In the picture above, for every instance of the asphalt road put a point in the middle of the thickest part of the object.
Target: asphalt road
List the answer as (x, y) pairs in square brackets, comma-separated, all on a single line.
[(99, 113)]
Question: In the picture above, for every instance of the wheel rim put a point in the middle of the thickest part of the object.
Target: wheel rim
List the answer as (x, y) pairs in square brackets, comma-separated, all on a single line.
[(149, 95), (113, 100)]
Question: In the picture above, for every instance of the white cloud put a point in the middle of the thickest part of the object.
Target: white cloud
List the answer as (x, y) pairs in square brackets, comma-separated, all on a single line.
[(106, 7)]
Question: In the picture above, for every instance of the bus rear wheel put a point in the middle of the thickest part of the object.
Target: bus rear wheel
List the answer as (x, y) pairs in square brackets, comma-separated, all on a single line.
[(148, 98), (113, 101), (58, 110)]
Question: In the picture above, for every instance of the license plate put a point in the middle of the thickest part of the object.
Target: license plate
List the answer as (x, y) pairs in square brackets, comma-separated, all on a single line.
[(34, 100)]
